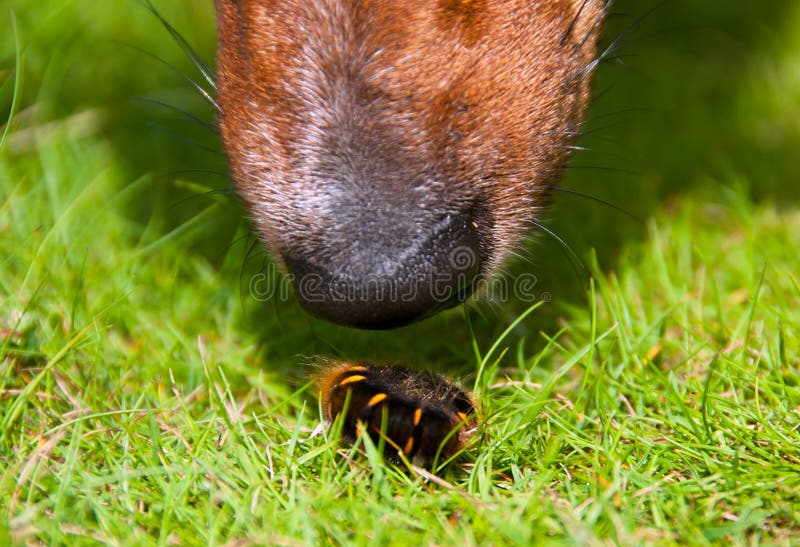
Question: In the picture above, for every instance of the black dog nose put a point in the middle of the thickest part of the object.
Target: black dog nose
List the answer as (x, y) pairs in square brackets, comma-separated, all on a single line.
[(380, 280)]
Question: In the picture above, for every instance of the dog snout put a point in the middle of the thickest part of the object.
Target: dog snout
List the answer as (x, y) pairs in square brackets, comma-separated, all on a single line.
[(389, 153), (394, 273)]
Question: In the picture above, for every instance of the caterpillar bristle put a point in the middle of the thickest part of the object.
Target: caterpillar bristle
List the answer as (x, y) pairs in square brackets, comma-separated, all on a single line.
[(423, 415)]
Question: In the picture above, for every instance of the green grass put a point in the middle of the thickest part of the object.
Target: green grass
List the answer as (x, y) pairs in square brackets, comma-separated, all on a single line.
[(145, 398)]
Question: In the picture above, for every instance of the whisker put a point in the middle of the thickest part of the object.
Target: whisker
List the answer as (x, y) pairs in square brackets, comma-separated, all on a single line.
[(600, 17), (223, 174), (597, 200), (600, 129), (604, 152), (254, 246), (605, 168), (201, 65), (235, 241), (635, 25), (199, 121), (197, 87), (580, 269), (214, 192), (613, 114), (609, 52), (596, 137), (574, 22), (185, 140)]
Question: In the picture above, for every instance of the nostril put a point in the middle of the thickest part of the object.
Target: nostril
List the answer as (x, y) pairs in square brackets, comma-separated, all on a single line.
[(376, 282)]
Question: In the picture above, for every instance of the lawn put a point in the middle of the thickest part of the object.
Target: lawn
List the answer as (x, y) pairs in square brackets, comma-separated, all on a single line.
[(651, 394)]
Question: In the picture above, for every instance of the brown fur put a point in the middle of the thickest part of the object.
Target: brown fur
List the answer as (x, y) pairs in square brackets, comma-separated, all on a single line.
[(330, 108)]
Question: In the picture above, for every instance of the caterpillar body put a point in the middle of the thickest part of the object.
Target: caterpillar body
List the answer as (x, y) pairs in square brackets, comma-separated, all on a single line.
[(422, 415)]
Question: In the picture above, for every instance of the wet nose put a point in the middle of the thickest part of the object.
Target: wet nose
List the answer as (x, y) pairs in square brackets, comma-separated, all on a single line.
[(380, 281)]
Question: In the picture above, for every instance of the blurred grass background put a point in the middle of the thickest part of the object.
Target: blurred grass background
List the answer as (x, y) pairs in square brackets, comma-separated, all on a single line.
[(697, 100), (141, 384)]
